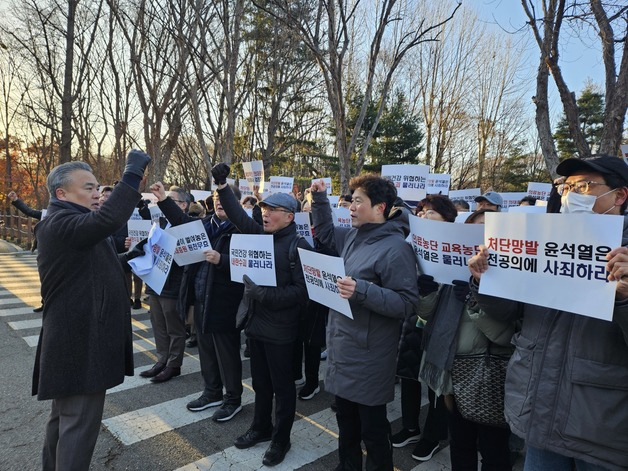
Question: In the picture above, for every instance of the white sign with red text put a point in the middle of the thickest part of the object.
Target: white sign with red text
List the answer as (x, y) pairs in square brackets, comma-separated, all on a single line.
[(321, 272), (253, 255), (254, 174), (553, 260), (192, 242), (443, 249), (410, 180)]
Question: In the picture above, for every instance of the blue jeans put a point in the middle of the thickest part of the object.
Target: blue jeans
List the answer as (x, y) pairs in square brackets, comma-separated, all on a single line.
[(543, 460)]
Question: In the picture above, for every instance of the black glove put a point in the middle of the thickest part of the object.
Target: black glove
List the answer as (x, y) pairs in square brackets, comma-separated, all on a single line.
[(427, 285), (252, 290), (461, 290), (136, 251), (220, 172), (136, 162)]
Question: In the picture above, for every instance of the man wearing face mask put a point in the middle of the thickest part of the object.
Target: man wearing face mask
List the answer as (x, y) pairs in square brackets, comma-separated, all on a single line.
[(567, 382)]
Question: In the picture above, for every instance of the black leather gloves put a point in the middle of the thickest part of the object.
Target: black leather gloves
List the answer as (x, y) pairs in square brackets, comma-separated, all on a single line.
[(252, 290), (136, 251), (136, 162), (220, 172), (427, 285), (461, 290)]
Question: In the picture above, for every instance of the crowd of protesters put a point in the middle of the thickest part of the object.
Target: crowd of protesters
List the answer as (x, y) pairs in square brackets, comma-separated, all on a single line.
[(566, 384)]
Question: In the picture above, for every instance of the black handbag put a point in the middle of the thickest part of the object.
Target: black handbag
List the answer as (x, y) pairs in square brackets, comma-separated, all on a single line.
[(478, 382)]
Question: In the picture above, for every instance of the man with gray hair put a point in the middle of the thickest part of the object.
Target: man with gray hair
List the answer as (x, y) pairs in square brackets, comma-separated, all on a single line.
[(85, 344)]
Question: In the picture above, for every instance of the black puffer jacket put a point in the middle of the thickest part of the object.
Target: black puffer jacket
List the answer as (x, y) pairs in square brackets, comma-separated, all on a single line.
[(275, 319)]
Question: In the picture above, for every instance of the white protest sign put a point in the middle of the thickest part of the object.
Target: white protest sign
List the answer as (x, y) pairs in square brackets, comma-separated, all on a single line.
[(192, 241), (154, 266), (469, 195), (200, 195), (280, 185), (512, 199), (245, 189), (327, 181), (438, 183), (528, 209), (155, 213), (253, 255), (254, 174), (138, 229), (321, 272), (302, 221), (553, 260), (333, 200), (540, 191), (410, 180), (44, 213), (341, 217), (443, 249), (136, 215)]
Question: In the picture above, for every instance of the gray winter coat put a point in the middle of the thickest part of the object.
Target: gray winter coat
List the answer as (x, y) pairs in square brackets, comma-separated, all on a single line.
[(567, 382), (362, 353)]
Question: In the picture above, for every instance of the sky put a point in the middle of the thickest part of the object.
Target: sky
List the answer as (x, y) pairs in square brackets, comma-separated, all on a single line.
[(580, 58)]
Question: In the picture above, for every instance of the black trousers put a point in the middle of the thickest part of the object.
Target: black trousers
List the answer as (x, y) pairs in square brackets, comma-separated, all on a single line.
[(467, 438), (219, 353), (359, 423), (312, 356), (272, 377)]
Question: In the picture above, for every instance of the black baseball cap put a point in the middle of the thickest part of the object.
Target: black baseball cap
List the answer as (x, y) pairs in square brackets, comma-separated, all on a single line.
[(605, 165)]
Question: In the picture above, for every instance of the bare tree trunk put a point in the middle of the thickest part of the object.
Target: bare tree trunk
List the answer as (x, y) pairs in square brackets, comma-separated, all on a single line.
[(65, 147), (616, 83)]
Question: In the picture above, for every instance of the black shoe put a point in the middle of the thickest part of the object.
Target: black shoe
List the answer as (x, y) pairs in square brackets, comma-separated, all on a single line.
[(167, 374), (203, 403), (247, 352), (424, 450), (333, 405), (275, 454), (251, 438), (226, 412), (192, 342), (154, 371), (137, 304), (307, 392), (39, 309), (405, 437)]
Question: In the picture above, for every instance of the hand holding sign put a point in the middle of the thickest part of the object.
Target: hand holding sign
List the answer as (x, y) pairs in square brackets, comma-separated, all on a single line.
[(346, 286), (617, 268), (212, 257), (478, 264)]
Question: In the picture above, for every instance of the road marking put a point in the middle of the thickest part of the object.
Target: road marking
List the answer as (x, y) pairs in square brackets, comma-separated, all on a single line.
[(17, 311), (142, 424), (312, 438), (33, 323)]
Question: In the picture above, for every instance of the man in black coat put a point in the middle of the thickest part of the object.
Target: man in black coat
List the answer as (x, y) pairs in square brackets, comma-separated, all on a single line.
[(273, 319), (208, 287), (85, 344)]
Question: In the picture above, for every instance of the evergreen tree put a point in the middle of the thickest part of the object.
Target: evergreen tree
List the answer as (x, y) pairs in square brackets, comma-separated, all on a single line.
[(591, 113)]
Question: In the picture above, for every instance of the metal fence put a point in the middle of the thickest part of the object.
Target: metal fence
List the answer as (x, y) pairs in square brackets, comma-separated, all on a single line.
[(17, 229)]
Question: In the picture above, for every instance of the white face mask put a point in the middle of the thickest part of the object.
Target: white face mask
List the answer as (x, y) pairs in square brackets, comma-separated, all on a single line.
[(573, 202)]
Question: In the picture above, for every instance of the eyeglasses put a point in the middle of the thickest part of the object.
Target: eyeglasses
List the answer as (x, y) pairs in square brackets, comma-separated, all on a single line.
[(178, 201), (580, 187), (269, 209)]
